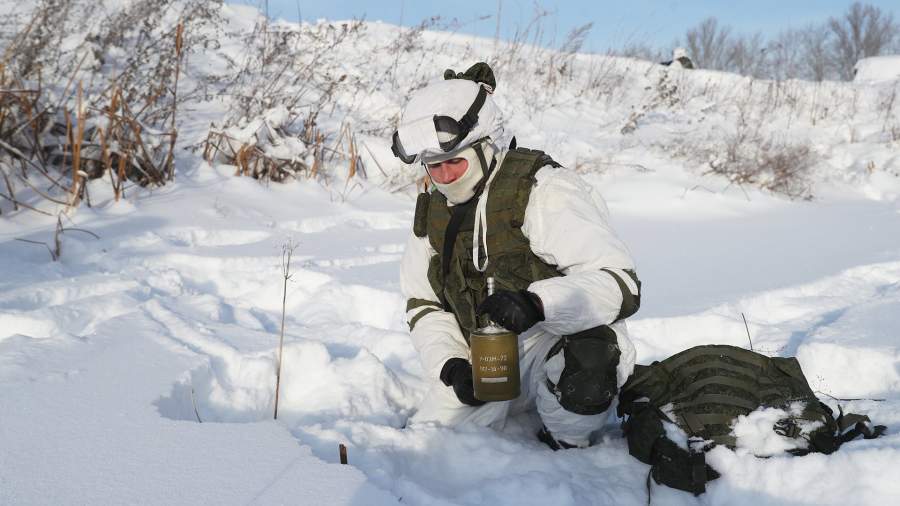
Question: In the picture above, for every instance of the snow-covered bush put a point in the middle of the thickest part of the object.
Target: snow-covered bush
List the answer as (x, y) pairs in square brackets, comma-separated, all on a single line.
[(778, 167), (274, 148), (286, 83), (102, 82), (877, 68), (337, 89)]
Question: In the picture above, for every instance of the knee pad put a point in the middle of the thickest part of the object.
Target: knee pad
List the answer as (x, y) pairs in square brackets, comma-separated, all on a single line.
[(587, 384)]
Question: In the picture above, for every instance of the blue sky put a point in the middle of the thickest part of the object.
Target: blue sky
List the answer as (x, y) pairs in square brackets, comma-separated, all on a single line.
[(616, 23)]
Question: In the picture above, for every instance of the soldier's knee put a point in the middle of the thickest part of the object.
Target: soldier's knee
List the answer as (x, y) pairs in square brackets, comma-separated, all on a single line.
[(587, 384)]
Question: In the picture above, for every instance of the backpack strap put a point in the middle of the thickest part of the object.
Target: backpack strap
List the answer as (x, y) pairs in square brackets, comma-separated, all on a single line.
[(683, 469), (670, 464), (861, 424)]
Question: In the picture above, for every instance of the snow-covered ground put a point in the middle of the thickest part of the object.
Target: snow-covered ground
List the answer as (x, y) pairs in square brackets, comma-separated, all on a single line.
[(112, 357)]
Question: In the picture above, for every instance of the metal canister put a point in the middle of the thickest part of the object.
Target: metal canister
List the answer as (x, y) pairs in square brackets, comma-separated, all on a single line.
[(495, 361)]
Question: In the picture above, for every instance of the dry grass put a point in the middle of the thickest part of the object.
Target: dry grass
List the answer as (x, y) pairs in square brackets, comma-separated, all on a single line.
[(250, 160), (255, 158), (777, 167), (70, 141)]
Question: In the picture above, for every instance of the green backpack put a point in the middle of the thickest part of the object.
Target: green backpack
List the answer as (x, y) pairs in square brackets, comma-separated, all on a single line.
[(703, 391)]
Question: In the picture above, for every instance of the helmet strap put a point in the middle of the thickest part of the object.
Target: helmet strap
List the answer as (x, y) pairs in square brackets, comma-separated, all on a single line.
[(487, 170)]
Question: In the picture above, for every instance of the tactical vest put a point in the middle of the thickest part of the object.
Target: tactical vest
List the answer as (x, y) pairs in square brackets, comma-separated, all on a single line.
[(512, 264), (705, 389)]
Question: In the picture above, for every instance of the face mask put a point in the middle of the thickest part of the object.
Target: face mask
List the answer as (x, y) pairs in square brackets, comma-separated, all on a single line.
[(463, 189)]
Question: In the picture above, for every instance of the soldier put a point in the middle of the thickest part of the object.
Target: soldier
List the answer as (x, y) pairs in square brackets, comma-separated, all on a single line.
[(566, 282), (680, 59)]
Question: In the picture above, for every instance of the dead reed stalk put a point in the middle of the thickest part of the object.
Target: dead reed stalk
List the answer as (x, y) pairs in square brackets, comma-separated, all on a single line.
[(287, 251), (173, 131), (76, 141)]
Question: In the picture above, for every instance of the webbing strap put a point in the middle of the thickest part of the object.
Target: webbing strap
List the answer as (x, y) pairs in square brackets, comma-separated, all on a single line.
[(698, 471), (630, 302), (697, 424), (679, 468), (649, 494), (479, 151), (479, 234), (726, 440), (743, 385), (847, 420), (413, 303), (645, 373), (419, 316), (729, 400), (420, 219), (717, 351), (458, 214), (694, 425), (470, 118), (691, 371), (861, 426), (713, 419)]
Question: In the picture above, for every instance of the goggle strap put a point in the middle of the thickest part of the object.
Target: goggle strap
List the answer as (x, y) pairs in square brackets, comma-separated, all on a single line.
[(467, 122), (470, 118)]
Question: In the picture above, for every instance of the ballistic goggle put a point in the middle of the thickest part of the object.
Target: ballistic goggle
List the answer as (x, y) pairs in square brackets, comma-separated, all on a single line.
[(419, 136)]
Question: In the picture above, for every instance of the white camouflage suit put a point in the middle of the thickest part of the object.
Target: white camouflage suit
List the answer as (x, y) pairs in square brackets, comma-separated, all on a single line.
[(566, 224)]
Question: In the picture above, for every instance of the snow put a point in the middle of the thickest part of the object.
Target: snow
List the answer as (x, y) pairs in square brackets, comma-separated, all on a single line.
[(112, 357), (674, 432), (877, 68), (755, 435)]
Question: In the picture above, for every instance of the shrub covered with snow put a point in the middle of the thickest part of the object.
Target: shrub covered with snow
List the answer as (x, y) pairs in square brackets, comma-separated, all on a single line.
[(877, 68)]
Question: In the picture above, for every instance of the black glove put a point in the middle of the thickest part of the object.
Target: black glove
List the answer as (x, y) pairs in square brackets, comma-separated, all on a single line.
[(457, 372), (516, 311)]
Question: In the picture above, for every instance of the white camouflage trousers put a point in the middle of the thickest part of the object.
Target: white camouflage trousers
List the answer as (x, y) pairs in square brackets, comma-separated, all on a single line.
[(441, 406)]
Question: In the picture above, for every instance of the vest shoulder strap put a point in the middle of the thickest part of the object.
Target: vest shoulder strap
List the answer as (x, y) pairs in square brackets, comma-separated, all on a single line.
[(420, 220), (512, 186), (527, 160)]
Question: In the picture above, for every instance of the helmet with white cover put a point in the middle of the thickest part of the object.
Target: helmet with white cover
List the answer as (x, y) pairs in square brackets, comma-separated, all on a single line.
[(443, 117), (453, 118)]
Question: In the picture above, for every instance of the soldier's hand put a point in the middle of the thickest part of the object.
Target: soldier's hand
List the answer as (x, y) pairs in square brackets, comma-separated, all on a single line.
[(457, 372), (517, 311)]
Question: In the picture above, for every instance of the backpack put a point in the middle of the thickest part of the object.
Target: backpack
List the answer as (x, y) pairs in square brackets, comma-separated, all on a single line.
[(703, 391)]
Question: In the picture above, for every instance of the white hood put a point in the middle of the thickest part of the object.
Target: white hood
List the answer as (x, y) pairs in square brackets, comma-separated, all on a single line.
[(463, 189)]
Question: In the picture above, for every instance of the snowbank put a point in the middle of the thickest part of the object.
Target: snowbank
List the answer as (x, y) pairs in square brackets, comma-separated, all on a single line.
[(877, 68)]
